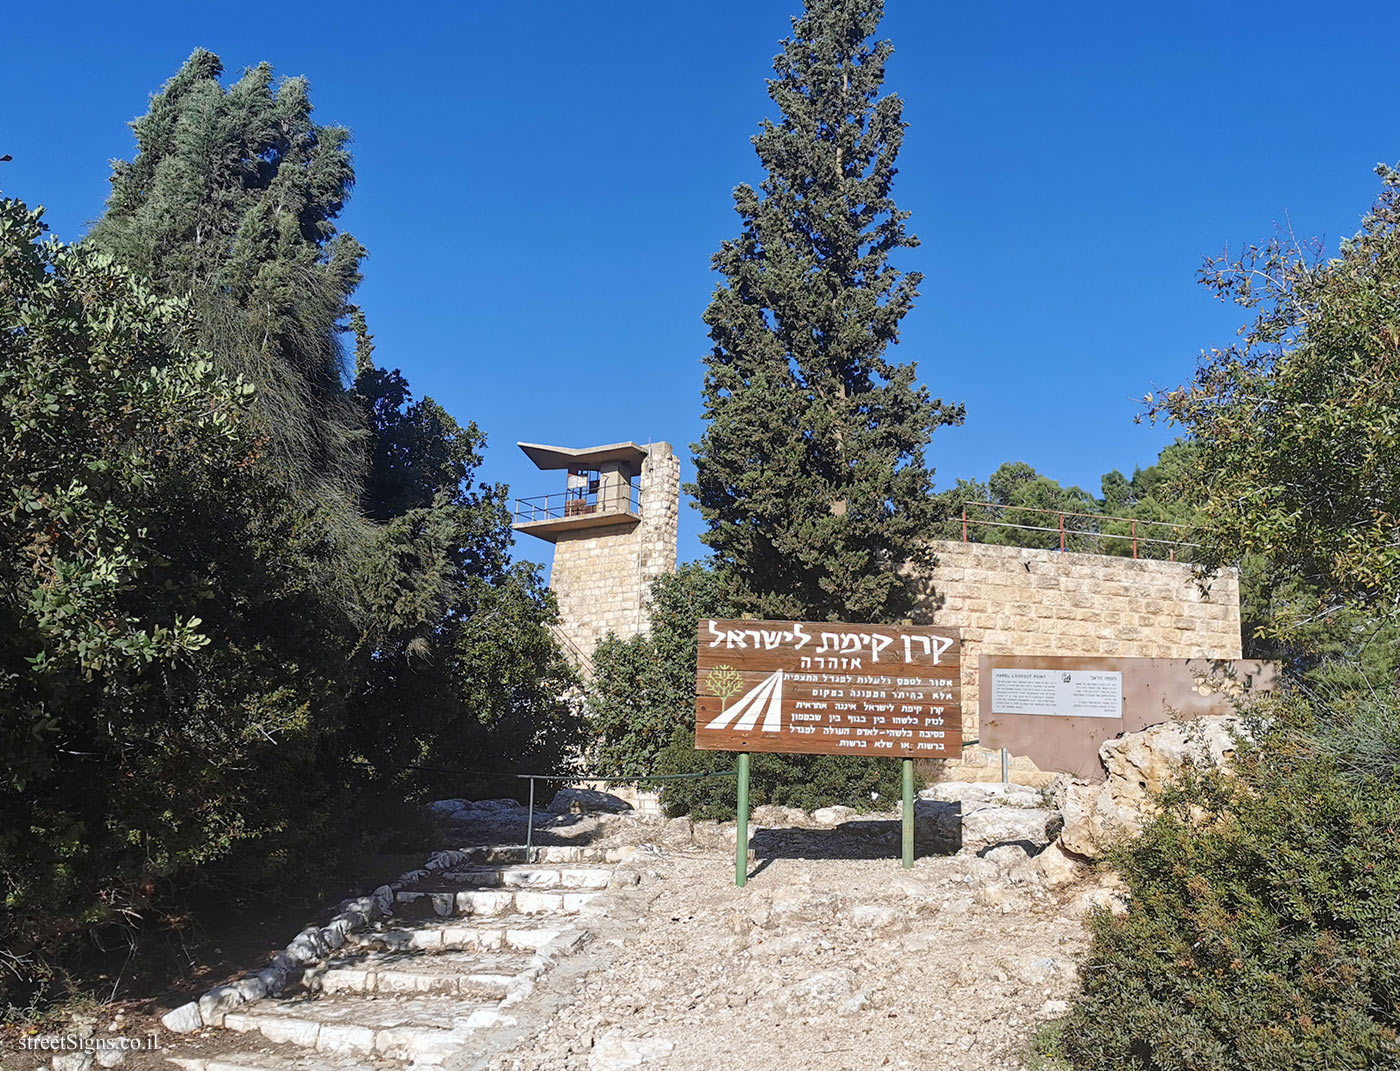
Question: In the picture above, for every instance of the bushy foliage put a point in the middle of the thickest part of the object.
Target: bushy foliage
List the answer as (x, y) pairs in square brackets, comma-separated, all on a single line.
[(145, 561), (1264, 923), (1296, 423), (643, 689), (642, 703)]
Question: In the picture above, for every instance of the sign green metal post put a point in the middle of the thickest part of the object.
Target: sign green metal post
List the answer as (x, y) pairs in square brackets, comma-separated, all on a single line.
[(741, 832), (908, 814)]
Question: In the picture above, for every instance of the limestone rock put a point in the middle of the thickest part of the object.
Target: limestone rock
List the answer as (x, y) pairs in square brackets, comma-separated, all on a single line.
[(820, 991), (587, 801), (615, 1051), (774, 814), (218, 1002), (986, 826), (73, 1061), (274, 980), (1056, 866), (251, 987), (1143, 763), (857, 1003), (678, 827), (937, 826), (1138, 765), (184, 1019), (1013, 863), (833, 816), (984, 793), (706, 833), (873, 918)]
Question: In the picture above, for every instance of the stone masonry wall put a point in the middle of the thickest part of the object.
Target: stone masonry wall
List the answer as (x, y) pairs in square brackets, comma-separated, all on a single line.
[(1017, 600), (602, 576)]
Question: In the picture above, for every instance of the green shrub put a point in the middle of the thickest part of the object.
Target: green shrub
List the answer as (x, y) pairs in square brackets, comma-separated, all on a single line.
[(1263, 931), (806, 781)]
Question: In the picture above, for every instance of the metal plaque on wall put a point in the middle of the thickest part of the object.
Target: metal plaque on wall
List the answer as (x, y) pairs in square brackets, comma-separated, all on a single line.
[(1057, 711)]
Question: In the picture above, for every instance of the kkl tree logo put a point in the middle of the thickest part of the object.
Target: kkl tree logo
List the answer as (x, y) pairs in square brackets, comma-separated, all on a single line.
[(724, 682), (764, 700)]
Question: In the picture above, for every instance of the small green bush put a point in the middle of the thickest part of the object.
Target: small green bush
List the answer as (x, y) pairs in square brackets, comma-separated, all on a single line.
[(806, 781), (1263, 932)]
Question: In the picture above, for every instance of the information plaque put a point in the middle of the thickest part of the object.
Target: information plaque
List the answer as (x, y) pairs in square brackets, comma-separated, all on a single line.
[(1072, 693)]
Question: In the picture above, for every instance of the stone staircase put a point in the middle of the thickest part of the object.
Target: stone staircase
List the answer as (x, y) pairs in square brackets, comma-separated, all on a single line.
[(459, 948)]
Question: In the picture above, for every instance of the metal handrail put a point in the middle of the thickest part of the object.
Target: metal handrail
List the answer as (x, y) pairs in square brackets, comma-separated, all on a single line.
[(1068, 531), (561, 505), (575, 776)]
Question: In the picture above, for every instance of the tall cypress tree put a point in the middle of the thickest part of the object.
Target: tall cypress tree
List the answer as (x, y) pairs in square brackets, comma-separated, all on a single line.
[(810, 474)]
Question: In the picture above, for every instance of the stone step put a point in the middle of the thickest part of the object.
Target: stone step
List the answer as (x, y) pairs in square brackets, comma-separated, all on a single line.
[(423, 1029), (467, 974), (489, 934), (269, 1059), (546, 853), (496, 902), (519, 877)]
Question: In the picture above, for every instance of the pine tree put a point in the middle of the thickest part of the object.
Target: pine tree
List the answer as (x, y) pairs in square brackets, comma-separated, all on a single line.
[(231, 201), (810, 475)]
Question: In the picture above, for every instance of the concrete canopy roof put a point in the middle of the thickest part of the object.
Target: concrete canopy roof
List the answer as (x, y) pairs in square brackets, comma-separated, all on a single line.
[(628, 456)]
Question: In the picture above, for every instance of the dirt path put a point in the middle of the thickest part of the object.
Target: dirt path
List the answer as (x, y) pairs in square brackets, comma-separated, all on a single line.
[(832, 957), (818, 964)]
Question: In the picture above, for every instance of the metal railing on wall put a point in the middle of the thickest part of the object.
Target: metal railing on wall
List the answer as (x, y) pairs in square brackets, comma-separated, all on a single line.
[(1091, 533)]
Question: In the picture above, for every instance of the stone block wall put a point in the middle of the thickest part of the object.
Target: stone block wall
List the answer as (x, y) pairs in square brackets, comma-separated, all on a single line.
[(1018, 600), (602, 576)]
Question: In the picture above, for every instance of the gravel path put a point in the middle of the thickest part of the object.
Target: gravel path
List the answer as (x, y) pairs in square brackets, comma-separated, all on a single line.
[(819, 963)]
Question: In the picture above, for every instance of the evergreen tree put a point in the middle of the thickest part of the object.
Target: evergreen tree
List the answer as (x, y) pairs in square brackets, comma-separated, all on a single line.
[(811, 475), (227, 576), (231, 201)]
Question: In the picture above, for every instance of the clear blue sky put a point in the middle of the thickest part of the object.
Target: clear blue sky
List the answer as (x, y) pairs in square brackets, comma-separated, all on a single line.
[(541, 186)]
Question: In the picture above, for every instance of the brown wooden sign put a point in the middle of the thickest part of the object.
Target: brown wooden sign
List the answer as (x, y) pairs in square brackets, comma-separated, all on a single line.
[(824, 688)]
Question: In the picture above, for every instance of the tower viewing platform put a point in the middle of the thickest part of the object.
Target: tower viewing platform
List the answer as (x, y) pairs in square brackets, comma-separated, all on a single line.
[(613, 526), (601, 489)]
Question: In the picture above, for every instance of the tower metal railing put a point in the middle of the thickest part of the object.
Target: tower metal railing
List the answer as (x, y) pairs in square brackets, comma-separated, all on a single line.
[(562, 505)]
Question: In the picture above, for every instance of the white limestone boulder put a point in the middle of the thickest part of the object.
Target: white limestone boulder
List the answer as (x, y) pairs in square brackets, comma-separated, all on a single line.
[(1138, 766)]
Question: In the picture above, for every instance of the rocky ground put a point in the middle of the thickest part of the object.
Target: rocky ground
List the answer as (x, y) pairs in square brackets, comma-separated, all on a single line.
[(832, 956)]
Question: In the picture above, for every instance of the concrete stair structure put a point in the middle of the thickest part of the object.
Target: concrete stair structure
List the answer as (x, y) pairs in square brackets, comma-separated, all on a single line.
[(460, 944)]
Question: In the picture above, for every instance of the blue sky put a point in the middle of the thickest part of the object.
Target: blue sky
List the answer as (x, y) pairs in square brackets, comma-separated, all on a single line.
[(541, 186)]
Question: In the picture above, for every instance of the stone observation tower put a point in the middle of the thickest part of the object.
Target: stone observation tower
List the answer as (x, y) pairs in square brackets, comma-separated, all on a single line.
[(613, 526)]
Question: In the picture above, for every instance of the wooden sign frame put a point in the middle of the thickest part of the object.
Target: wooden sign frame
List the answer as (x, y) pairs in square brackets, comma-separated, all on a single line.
[(827, 688)]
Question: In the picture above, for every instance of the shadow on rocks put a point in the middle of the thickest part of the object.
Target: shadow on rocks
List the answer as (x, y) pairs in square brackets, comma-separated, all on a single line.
[(937, 831)]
